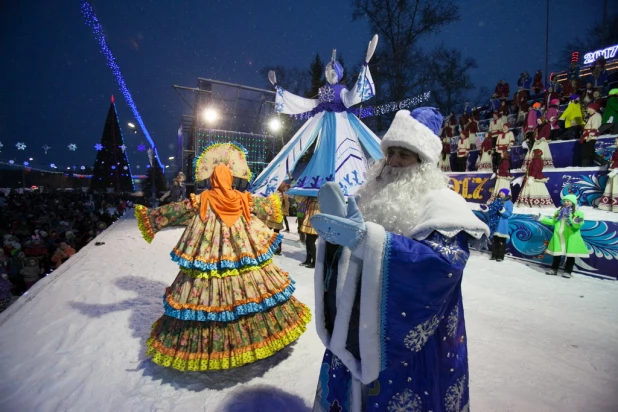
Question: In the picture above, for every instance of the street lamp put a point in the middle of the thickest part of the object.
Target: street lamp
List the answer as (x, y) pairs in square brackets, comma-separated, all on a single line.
[(171, 158), (131, 125), (274, 124), (210, 114)]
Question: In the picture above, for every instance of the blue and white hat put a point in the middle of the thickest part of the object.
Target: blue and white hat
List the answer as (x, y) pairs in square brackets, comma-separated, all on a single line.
[(416, 131)]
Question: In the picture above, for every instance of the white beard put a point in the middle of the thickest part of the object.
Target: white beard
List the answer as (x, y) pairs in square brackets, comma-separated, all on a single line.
[(395, 201)]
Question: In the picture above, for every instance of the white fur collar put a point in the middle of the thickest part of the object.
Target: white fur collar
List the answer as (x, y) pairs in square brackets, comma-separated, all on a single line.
[(447, 212)]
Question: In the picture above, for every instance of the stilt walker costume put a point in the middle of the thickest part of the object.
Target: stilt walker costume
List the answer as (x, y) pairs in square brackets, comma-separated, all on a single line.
[(230, 305), (342, 139)]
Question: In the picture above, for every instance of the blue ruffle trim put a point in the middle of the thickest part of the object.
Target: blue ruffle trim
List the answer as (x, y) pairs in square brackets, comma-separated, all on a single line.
[(228, 264), (228, 316)]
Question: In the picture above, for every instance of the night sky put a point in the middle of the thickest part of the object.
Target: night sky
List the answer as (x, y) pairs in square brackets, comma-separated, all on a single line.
[(56, 84)]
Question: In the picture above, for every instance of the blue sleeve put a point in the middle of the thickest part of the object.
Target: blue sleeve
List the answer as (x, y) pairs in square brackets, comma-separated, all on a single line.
[(508, 210), (423, 281)]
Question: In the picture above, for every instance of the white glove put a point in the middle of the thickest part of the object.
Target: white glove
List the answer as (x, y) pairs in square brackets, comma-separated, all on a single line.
[(518, 181), (371, 48), (272, 77), (613, 173), (524, 144), (493, 176)]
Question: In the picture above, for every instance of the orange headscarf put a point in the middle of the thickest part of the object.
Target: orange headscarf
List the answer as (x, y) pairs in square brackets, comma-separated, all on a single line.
[(227, 203)]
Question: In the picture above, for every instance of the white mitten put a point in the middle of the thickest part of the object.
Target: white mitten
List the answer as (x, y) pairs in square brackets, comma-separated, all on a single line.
[(613, 173), (371, 48), (272, 77)]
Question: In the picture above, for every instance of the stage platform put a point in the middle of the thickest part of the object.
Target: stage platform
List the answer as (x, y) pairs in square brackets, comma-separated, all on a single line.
[(529, 238), (76, 340)]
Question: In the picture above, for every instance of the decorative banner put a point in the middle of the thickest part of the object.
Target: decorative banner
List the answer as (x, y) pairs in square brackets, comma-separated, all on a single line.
[(586, 183), (529, 239)]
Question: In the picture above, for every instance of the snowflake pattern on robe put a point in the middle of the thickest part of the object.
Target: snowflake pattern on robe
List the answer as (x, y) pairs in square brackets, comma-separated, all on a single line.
[(406, 401), (451, 325), (454, 396), (335, 363), (447, 247), (417, 337), (326, 94)]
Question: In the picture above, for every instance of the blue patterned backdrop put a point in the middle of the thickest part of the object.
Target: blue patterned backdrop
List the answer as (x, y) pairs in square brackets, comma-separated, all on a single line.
[(529, 240), (587, 185)]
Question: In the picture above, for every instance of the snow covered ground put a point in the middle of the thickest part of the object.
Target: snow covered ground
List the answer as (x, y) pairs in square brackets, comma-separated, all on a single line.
[(76, 341)]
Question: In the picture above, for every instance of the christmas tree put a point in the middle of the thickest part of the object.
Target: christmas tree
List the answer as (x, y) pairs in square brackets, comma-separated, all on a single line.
[(111, 168), (159, 182)]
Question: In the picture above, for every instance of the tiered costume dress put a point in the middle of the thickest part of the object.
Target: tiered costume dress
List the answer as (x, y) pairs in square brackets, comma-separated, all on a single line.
[(534, 193), (609, 200), (230, 305)]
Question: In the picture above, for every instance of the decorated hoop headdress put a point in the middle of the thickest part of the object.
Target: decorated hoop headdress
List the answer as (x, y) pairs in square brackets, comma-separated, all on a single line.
[(232, 155)]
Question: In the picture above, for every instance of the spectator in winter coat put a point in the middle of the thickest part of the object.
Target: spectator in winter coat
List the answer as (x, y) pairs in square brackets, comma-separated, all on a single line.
[(505, 139), (549, 96), (467, 110), (590, 135), (494, 103), (610, 115), (587, 95), (463, 150), (495, 126), (533, 114), (520, 102), (499, 212), (573, 118), (598, 77), (567, 240), (62, 253), (537, 84), (5, 291), (571, 86), (445, 155), (31, 272), (552, 116)]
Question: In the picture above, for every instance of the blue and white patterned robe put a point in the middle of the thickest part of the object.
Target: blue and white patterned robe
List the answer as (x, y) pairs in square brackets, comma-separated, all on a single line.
[(409, 316)]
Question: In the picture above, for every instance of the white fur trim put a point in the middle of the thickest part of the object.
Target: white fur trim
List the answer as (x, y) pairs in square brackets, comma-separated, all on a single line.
[(368, 368), (409, 133), (448, 213)]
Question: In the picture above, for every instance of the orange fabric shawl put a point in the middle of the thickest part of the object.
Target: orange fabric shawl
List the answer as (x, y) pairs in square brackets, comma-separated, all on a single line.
[(227, 203)]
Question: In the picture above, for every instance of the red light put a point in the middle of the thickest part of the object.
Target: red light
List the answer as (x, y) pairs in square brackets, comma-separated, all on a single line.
[(112, 98)]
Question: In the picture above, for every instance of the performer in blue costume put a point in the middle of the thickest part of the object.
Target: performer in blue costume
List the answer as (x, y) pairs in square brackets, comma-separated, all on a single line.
[(342, 139), (388, 281)]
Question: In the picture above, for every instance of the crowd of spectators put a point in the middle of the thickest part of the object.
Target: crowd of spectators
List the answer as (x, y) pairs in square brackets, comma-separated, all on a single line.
[(41, 231), (568, 107)]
